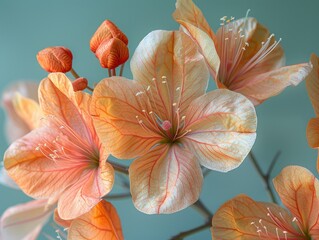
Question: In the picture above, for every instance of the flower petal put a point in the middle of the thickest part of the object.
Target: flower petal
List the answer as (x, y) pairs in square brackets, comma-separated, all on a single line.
[(102, 222), (299, 191), (57, 98), (222, 127), (175, 56), (62, 222), (312, 83), (313, 132), (25, 163), (242, 218), (116, 107), (25, 221), (15, 126), (261, 87), (194, 23), (6, 180), (86, 192), (165, 180)]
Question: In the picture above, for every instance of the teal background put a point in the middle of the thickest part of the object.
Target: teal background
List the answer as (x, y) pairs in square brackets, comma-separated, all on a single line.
[(29, 26)]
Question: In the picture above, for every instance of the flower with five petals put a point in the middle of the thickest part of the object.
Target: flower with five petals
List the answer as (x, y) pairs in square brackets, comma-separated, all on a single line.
[(164, 118)]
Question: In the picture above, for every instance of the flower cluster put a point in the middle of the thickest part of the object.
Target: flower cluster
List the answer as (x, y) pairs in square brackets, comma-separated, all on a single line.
[(166, 120)]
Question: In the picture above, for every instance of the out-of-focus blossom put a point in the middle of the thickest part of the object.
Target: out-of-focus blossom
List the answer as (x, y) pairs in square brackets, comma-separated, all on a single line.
[(25, 221), (100, 223), (55, 59), (63, 154), (243, 56), (164, 118), (244, 219)]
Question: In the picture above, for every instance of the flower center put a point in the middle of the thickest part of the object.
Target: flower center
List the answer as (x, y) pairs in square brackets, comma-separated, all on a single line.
[(232, 45), (68, 148), (161, 110)]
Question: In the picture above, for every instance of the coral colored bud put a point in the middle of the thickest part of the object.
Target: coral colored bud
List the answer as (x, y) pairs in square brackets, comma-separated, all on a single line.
[(112, 53), (55, 59), (106, 31), (79, 84)]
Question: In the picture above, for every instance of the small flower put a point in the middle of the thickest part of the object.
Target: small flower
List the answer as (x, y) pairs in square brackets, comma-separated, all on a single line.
[(166, 120), (55, 59), (100, 223), (80, 84), (63, 154), (112, 53), (244, 219), (106, 31), (243, 56)]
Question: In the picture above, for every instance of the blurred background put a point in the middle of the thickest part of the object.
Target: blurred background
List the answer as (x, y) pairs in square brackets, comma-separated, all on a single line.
[(27, 27)]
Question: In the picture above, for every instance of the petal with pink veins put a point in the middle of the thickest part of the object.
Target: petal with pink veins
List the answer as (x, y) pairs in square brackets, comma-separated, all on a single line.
[(298, 189), (313, 132), (101, 223), (24, 221), (312, 83), (244, 219), (222, 129), (165, 180)]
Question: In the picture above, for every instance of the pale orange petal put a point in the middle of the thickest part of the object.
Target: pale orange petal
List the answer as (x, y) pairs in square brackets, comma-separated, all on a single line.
[(115, 107), (6, 180), (175, 56), (244, 219), (299, 191), (16, 127), (222, 127), (165, 180), (101, 223), (86, 192), (261, 87), (312, 83), (24, 221), (62, 222), (313, 132), (28, 110)]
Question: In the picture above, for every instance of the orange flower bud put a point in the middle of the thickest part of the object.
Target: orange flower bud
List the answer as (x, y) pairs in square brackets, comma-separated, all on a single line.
[(55, 59), (112, 53), (79, 84), (106, 31)]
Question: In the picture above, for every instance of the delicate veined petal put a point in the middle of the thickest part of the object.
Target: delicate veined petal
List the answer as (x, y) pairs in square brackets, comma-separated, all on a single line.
[(171, 69), (299, 192), (165, 180), (62, 222), (222, 129), (24, 221), (101, 223), (244, 219), (6, 180), (312, 83), (119, 117), (15, 126), (263, 86), (194, 23), (313, 133)]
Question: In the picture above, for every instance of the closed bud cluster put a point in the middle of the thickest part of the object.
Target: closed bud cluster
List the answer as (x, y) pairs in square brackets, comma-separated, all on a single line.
[(109, 44)]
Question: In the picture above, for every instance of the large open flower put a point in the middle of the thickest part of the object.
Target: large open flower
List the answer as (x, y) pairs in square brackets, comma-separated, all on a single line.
[(164, 118), (243, 56), (244, 219), (62, 160)]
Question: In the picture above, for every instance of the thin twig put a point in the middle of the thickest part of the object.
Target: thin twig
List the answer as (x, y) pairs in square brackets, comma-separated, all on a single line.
[(110, 73), (122, 68), (119, 168), (89, 88), (117, 196), (202, 209), (182, 235), (273, 163), (73, 72), (113, 72), (264, 177)]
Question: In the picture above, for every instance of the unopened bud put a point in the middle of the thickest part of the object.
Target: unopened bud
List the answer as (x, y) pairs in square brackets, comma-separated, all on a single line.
[(106, 31), (79, 84), (112, 53), (55, 59)]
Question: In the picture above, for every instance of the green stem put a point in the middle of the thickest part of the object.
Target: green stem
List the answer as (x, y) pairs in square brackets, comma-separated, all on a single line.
[(203, 210), (182, 235), (119, 168), (73, 72)]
